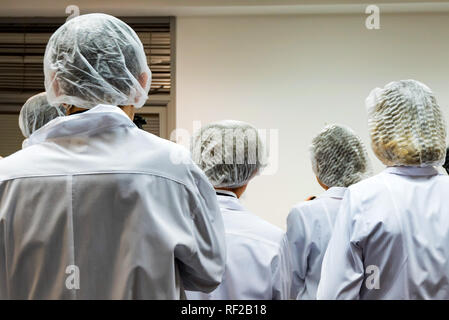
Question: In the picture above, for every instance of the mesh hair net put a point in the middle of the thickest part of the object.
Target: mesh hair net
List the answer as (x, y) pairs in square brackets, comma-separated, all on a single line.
[(406, 125), (339, 157), (37, 112), (96, 59), (229, 152)]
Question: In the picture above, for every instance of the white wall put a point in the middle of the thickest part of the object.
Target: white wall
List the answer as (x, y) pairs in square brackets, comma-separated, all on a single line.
[(296, 74)]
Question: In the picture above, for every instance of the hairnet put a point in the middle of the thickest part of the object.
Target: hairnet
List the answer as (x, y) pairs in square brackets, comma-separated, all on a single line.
[(37, 112), (339, 157), (229, 152), (406, 125), (96, 59)]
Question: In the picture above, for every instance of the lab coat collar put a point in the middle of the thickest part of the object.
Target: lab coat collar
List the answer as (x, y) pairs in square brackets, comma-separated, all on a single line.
[(225, 192), (412, 171), (96, 119), (334, 192), (230, 203)]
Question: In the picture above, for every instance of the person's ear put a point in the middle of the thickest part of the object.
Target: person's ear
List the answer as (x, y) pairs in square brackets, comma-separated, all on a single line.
[(322, 184), (143, 79), (55, 85)]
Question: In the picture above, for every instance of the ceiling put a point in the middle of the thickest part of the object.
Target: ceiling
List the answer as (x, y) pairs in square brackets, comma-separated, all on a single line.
[(47, 8)]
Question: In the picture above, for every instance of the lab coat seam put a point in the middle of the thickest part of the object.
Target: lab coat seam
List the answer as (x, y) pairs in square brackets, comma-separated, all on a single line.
[(95, 173), (72, 231)]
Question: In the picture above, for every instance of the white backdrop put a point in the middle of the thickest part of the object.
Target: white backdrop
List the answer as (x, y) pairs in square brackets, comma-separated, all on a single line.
[(297, 74)]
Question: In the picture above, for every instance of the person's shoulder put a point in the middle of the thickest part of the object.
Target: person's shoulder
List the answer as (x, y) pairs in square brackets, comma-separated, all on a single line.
[(17, 164), (371, 185), (256, 229), (442, 178), (170, 159), (159, 143), (306, 209)]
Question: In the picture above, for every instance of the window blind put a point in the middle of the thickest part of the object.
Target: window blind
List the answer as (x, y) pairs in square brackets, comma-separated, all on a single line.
[(22, 47)]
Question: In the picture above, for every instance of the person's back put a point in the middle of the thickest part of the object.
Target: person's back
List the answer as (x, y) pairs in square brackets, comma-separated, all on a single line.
[(95, 208), (406, 234), (309, 228), (339, 159), (257, 263), (110, 203), (391, 236)]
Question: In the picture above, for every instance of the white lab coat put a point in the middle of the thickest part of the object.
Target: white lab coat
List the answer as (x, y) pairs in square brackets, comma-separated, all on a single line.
[(309, 228), (93, 202), (390, 239), (258, 263)]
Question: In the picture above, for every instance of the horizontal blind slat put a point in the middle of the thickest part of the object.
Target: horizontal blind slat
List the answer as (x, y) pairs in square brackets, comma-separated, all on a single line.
[(22, 47)]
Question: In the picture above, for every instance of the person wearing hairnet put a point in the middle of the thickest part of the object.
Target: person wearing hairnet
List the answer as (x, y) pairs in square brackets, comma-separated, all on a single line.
[(339, 159), (97, 208), (231, 153), (37, 112), (391, 235)]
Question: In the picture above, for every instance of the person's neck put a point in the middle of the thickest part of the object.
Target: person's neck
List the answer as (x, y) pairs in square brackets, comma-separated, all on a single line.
[(129, 110), (238, 191)]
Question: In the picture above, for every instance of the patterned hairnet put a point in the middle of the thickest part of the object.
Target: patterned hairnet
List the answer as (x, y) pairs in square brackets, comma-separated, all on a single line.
[(339, 157), (406, 125), (229, 152), (37, 112), (96, 59)]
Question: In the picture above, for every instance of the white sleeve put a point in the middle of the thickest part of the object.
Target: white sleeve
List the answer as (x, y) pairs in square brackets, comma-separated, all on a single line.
[(342, 272), (202, 265), (282, 272), (299, 248)]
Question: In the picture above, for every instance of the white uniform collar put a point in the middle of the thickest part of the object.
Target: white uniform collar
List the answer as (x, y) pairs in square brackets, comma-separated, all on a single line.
[(230, 203), (96, 119), (412, 171), (333, 192), (226, 193)]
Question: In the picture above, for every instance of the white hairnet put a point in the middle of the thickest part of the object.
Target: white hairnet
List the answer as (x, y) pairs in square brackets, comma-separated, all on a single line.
[(339, 157), (96, 59), (37, 112), (406, 125), (229, 152)]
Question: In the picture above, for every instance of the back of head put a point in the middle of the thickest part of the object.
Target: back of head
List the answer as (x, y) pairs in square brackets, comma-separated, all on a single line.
[(229, 152), (406, 125), (96, 59), (37, 112), (339, 157)]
